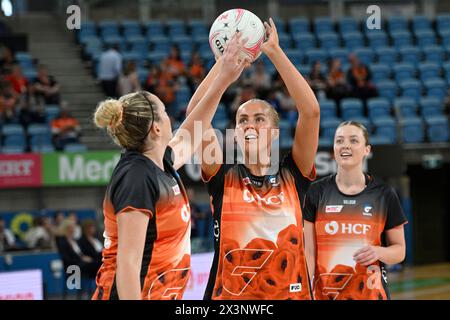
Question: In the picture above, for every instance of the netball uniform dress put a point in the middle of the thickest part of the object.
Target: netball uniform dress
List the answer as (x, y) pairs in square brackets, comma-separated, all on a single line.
[(138, 184), (344, 224), (258, 234)]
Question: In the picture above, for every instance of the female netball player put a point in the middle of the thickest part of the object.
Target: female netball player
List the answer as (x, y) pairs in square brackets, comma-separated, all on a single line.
[(147, 215), (358, 224), (259, 252)]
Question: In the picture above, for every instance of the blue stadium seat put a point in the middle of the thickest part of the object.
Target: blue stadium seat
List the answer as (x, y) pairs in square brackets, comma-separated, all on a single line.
[(339, 53), (387, 89), (198, 27), (386, 127), (430, 106), (411, 88), (184, 43), (329, 126), (434, 54), (443, 22), (351, 108), (323, 24), (316, 55), (425, 38), (403, 71), (446, 69), (328, 109), (131, 28), (305, 69), (304, 41), (406, 106), (154, 29), (387, 55), (52, 111), (161, 44), (379, 71), (365, 55), (397, 23), (401, 38), (347, 25), (285, 40), (175, 27), (294, 55), (115, 40), (364, 121), (412, 130), (445, 37), (376, 140), (353, 39), (44, 148), (75, 147), (328, 40), (12, 149), (378, 107), (142, 75), (298, 25), (156, 57), (437, 129), (326, 142), (377, 39), (429, 70), (30, 74), (436, 87), (421, 22), (411, 55), (13, 135)]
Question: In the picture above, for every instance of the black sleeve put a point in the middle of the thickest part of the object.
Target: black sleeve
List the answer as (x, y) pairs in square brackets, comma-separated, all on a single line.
[(311, 203), (215, 183), (168, 155), (137, 189), (302, 182), (394, 215)]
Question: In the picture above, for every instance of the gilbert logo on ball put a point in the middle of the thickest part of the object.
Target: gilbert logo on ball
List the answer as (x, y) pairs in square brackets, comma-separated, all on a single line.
[(244, 21)]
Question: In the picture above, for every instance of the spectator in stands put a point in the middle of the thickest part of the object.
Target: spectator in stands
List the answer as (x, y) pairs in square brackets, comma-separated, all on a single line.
[(72, 215), (260, 79), (338, 87), (359, 77), (29, 114), (71, 253), (196, 71), (6, 59), (173, 63), (166, 87), (317, 80), (45, 87), (129, 81), (109, 70), (40, 235), (89, 244), (7, 238), (65, 129), (58, 219), (8, 102), (18, 81)]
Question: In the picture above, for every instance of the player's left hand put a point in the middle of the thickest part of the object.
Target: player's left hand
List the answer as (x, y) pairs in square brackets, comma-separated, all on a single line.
[(367, 255), (272, 41)]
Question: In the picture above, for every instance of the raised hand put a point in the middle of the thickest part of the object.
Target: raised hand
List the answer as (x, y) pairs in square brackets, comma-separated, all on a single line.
[(232, 63), (272, 42)]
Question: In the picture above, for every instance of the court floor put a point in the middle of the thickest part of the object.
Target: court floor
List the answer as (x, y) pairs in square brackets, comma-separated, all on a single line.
[(428, 282)]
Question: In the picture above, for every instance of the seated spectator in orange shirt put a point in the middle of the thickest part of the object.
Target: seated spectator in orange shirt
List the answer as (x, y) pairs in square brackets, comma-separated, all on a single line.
[(173, 63), (65, 129), (196, 71), (18, 81), (359, 77), (45, 87), (8, 102), (337, 83)]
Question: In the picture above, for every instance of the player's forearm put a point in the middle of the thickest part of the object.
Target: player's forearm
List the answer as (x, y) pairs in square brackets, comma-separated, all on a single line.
[(203, 87), (298, 87), (127, 280), (393, 254)]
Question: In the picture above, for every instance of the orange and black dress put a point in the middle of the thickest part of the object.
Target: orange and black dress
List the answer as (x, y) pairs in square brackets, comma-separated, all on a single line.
[(344, 224), (258, 234), (138, 184)]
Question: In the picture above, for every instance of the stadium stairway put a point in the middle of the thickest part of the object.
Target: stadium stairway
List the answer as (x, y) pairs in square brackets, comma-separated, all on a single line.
[(52, 44)]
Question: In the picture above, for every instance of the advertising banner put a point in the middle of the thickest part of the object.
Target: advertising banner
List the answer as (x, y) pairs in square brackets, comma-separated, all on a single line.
[(20, 170)]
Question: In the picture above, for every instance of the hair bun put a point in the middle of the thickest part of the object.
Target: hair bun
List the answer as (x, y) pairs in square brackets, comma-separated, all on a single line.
[(108, 113)]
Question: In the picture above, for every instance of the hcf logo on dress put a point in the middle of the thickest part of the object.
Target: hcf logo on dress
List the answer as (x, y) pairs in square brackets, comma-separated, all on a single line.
[(333, 227)]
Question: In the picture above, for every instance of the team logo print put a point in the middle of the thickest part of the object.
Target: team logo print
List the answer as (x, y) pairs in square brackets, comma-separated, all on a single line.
[(367, 211), (295, 287), (333, 209), (332, 227)]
